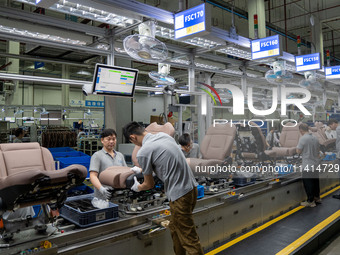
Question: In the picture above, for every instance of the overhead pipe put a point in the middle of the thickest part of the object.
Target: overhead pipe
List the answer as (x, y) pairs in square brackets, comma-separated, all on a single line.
[(278, 6), (269, 18), (309, 13), (180, 5), (285, 13), (245, 16)]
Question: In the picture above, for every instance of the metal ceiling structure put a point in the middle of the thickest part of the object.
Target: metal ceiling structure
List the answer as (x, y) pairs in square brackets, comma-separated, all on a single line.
[(225, 56)]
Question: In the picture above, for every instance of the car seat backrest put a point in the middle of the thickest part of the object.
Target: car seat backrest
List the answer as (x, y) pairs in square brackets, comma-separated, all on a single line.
[(166, 128), (19, 157), (290, 135), (218, 142), (154, 128)]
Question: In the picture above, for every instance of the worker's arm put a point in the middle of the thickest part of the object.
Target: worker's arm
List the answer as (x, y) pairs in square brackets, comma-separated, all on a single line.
[(94, 167), (94, 179), (148, 183), (300, 145)]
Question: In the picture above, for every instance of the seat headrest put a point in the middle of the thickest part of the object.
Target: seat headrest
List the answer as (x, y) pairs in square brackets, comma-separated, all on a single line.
[(222, 129), (289, 126), (318, 124), (167, 128), (19, 146)]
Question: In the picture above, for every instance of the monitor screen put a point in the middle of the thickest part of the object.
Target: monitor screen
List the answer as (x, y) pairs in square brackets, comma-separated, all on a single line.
[(114, 80)]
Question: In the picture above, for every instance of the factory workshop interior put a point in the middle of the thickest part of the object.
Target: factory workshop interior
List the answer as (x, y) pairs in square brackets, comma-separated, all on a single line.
[(170, 127)]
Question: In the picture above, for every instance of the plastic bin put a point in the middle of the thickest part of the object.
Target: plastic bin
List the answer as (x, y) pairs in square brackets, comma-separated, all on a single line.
[(61, 149), (84, 161), (79, 190), (67, 154), (36, 209), (284, 169), (330, 157), (200, 190), (91, 217)]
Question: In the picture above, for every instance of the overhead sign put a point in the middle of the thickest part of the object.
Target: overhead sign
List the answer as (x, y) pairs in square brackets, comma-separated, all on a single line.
[(265, 47), (193, 22), (308, 62), (91, 103), (332, 72), (77, 102), (37, 64)]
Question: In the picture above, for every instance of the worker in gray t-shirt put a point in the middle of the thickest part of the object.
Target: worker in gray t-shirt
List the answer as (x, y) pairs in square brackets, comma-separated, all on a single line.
[(337, 145), (189, 149), (160, 154), (308, 147), (337, 196), (103, 159)]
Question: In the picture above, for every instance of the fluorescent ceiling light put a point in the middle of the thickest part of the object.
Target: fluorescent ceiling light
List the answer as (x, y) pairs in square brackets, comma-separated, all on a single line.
[(87, 12), (82, 72), (37, 35), (207, 66), (102, 46), (180, 61), (49, 118), (236, 52), (168, 33)]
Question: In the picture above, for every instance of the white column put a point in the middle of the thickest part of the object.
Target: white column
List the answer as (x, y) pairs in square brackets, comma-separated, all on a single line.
[(257, 7), (110, 102), (317, 37), (65, 88), (208, 119), (13, 48)]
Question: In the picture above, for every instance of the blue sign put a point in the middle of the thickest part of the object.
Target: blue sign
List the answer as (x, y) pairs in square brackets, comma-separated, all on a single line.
[(308, 62), (332, 72), (91, 103), (191, 21), (37, 65), (265, 47)]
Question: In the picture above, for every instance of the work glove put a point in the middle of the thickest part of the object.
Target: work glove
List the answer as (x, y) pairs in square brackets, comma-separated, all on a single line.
[(106, 192), (136, 169), (135, 185)]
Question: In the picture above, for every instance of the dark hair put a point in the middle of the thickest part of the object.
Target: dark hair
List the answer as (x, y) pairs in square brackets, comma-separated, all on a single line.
[(304, 127), (332, 121), (184, 139), (107, 132), (18, 132), (132, 128)]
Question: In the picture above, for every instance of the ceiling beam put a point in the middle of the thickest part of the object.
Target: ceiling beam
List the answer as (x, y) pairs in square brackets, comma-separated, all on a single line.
[(35, 18), (47, 43), (47, 60)]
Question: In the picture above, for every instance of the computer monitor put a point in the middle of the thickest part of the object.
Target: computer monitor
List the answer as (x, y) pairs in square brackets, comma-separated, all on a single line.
[(114, 81)]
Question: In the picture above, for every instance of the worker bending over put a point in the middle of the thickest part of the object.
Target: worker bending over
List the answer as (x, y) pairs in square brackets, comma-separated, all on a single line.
[(160, 154)]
